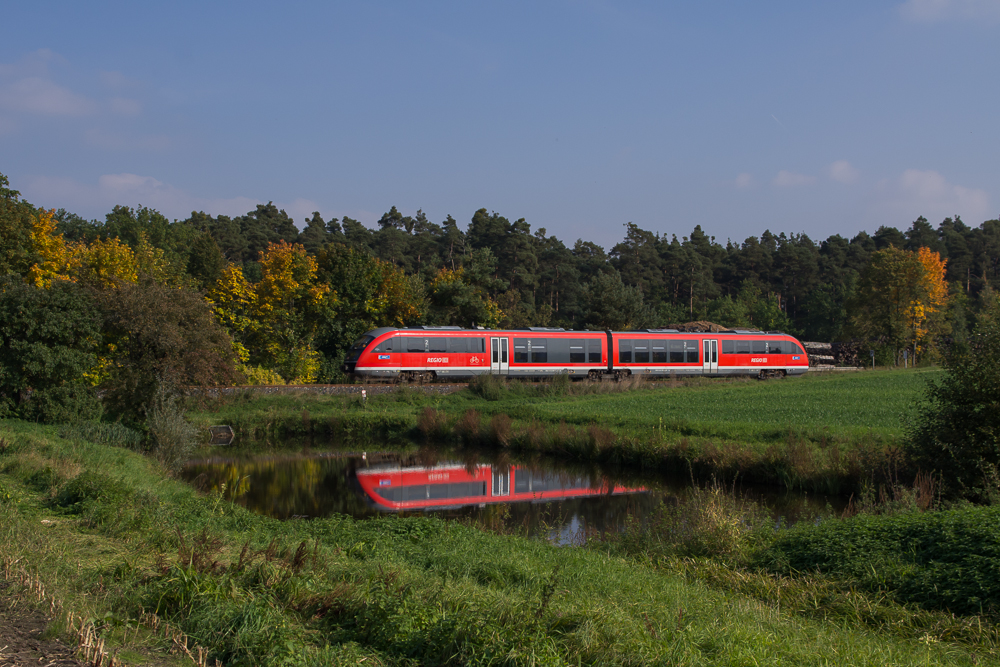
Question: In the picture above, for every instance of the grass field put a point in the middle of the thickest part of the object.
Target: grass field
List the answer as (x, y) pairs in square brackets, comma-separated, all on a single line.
[(102, 533), (828, 432)]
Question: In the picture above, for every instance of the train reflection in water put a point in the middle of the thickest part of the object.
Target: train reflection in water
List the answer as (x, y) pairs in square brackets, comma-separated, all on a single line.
[(451, 485)]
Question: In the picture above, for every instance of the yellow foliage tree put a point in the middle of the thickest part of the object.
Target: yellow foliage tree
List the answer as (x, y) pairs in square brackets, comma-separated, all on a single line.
[(901, 298), (56, 257), (274, 321)]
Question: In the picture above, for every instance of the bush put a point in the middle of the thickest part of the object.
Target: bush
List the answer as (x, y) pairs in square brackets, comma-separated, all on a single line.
[(957, 434), (172, 438)]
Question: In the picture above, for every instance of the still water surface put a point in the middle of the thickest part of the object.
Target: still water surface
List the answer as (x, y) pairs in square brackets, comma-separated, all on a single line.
[(535, 496)]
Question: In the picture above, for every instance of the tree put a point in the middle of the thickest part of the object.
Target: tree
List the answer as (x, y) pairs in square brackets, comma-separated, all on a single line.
[(163, 338), (900, 298), (611, 304), (17, 219), (957, 434), (48, 345)]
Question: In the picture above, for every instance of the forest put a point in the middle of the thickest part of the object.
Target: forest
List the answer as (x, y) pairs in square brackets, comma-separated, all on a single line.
[(257, 299)]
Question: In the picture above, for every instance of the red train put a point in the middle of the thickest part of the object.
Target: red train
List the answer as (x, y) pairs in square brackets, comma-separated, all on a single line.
[(427, 353), (452, 485)]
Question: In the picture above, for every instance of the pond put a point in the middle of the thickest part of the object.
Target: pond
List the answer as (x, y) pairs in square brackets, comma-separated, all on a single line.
[(533, 496)]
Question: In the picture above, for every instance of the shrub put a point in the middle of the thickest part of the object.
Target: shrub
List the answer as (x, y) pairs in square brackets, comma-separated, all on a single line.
[(957, 434), (172, 438)]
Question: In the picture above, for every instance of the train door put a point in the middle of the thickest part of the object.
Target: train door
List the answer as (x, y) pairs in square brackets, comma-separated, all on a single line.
[(498, 356), (710, 358), (501, 481)]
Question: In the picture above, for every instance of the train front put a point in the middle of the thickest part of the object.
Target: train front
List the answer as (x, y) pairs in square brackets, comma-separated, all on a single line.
[(363, 358)]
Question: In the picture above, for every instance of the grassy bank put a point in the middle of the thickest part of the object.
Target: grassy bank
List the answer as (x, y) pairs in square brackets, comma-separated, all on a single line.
[(114, 540), (828, 432)]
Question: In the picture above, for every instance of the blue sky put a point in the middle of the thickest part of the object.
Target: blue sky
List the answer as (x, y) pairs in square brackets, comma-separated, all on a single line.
[(814, 117)]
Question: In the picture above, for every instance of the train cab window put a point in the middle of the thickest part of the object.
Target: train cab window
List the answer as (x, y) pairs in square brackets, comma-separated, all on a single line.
[(416, 344), (659, 351), (677, 352), (577, 351), (458, 344), (691, 351), (641, 351), (624, 351), (793, 348), (758, 347), (437, 345), (729, 347), (520, 350), (595, 352), (539, 351), (742, 347), (388, 345), (359, 345)]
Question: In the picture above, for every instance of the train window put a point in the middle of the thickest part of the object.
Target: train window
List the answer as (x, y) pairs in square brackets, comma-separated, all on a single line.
[(624, 351), (437, 491), (415, 492), (458, 344), (758, 347), (520, 350), (558, 350), (728, 347), (742, 347), (416, 344), (793, 348), (659, 351), (437, 345), (595, 352), (691, 351), (388, 345), (539, 351), (477, 344), (641, 351), (677, 352), (776, 347), (577, 351)]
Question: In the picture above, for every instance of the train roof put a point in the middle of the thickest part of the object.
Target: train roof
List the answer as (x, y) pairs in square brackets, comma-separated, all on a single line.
[(444, 329)]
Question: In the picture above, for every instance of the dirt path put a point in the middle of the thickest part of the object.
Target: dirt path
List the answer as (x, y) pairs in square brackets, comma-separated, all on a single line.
[(21, 637)]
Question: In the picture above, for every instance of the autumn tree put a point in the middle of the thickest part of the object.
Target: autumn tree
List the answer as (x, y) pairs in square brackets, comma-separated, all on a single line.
[(900, 298)]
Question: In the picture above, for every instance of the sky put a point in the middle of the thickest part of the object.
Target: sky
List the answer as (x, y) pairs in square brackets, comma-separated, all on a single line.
[(577, 115)]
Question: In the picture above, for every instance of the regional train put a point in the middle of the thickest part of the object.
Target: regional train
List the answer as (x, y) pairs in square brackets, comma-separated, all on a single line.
[(451, 485), (453, 353)]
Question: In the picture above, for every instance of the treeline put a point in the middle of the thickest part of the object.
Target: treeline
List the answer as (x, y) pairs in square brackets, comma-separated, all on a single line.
[(293, 300)]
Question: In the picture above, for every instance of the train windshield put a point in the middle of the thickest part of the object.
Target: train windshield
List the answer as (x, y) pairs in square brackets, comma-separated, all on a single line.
[(358, 347)]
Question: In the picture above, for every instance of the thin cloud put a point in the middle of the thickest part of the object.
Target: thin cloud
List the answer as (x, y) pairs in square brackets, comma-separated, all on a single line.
[(934, 11), (842, 172), (928, 193), (789, 179), (39, 96), (745, 181)]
